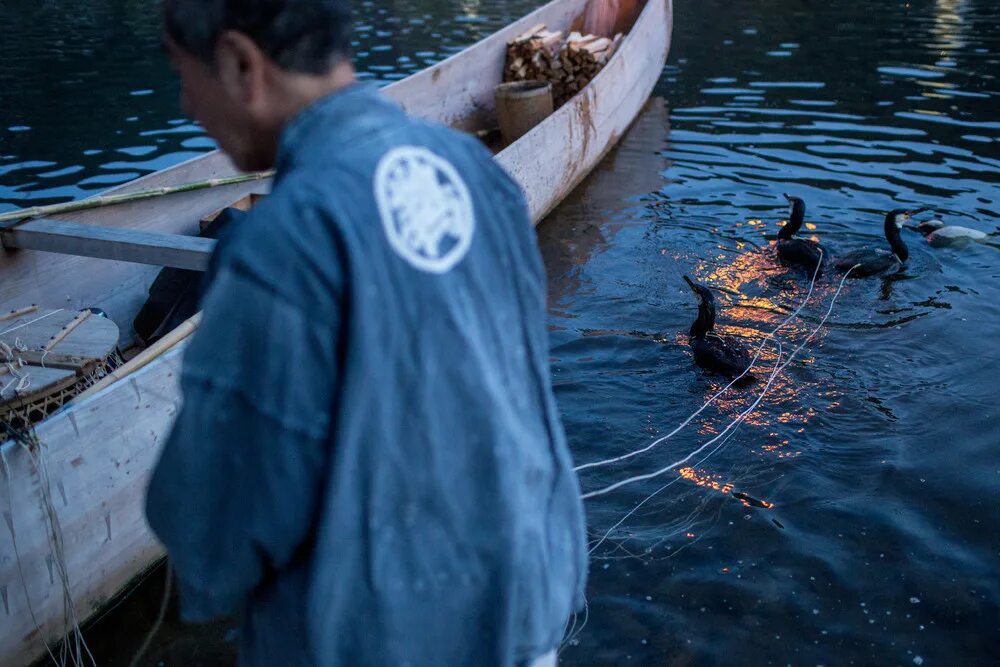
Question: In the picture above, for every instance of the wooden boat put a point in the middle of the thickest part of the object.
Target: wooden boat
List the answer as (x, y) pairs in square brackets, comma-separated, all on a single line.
[(85, 480)]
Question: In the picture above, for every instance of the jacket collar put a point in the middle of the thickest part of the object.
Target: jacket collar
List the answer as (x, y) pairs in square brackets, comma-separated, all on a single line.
[(330, 120)]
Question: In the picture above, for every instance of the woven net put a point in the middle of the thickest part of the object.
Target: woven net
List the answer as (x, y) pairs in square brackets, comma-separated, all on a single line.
[(23, 414)]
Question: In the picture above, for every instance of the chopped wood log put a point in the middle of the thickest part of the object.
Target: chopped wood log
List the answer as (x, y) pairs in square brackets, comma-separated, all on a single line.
[(584, 40), (524, 36), (552, 40), (567, 62), (598, 45)]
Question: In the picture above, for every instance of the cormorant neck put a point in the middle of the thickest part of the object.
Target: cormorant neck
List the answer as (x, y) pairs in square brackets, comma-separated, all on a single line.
[(895, 240), (795, 221), (705, 321)]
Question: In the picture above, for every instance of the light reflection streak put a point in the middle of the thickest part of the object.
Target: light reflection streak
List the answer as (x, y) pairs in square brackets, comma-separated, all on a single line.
[(950, 27)]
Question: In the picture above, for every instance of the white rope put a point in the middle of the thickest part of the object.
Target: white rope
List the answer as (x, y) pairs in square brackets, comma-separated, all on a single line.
[(665, 486), (17, 554), (77, 652), (160, 616), (573, 635), (37, 319), (7, 386), (739, 377), (640, 478), (568, 631)]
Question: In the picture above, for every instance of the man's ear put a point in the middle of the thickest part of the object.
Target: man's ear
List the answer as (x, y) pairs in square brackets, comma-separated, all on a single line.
[(240, 67)]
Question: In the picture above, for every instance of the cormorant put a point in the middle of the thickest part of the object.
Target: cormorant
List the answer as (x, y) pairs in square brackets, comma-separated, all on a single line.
[(793, 251), (872, 261), (712, 351)]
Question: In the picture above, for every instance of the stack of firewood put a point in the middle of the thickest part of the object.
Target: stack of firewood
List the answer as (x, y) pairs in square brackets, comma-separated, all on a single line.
[(543, 55), (531, 54)]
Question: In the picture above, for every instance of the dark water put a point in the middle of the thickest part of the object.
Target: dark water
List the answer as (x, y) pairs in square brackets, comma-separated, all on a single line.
[(878, 447)]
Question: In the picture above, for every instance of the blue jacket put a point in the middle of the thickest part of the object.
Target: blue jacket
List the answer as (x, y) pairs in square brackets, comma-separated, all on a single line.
[(369, 465)]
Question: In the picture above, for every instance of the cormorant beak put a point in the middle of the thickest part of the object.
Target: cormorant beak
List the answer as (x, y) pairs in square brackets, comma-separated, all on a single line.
[(697, 289), (908, 215), (787, 197)]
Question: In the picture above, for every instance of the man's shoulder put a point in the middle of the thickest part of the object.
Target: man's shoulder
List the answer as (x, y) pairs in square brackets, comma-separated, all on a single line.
[(294, 203), (286, 241)]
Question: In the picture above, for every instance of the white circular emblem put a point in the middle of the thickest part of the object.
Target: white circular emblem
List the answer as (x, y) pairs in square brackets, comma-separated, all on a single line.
[(425, 207)]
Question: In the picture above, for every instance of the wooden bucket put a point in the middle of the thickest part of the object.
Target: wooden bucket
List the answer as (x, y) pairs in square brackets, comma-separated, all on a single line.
[(521, 105)]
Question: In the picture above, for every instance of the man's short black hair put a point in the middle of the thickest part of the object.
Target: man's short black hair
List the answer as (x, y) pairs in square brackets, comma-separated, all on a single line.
[(307, 36)]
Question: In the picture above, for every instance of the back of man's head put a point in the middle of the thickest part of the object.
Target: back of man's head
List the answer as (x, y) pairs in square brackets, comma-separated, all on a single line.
[(304, 36)]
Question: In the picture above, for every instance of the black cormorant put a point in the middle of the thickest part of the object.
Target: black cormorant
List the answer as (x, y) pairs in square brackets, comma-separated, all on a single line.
[(872, 261), (712, 351), (793, 251)]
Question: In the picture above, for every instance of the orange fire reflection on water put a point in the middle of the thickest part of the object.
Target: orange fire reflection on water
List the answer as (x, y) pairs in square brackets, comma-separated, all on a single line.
[(712, 481), (706, 480)]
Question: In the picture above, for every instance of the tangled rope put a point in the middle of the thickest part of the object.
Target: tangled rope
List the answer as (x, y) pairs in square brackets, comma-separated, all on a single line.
[(73, 650)]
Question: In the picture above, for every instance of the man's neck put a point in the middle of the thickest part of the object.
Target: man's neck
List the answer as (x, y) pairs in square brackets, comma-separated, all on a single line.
[(302, 90)]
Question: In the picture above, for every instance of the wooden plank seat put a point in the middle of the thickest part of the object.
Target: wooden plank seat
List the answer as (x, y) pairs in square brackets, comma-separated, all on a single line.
[(129, 245)]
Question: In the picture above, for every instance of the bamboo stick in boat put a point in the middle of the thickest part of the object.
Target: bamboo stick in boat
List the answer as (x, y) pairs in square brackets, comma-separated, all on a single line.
[(111, 200), (18, 312), (67, 330), (160, 347)]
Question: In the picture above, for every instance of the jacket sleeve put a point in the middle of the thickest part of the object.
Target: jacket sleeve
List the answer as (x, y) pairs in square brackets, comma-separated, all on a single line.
[(235, 493)]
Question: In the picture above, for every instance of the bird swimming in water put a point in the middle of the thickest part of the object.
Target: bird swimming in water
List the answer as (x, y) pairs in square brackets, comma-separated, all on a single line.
[(803, 253), (872, 261), (940, 235), (712, 351)]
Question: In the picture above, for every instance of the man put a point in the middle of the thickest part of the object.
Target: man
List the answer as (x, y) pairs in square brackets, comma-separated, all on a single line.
[(368, 466)]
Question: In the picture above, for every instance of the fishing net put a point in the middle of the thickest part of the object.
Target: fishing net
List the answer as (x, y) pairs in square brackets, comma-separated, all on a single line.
[(29, 408)]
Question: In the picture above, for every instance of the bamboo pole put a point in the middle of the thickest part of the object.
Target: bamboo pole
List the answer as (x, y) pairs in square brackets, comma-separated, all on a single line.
[(18, 312), (111, 200), (160, 347)]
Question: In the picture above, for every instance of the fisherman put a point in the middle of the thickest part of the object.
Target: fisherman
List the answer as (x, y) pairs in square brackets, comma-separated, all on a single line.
[(368, 467)]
